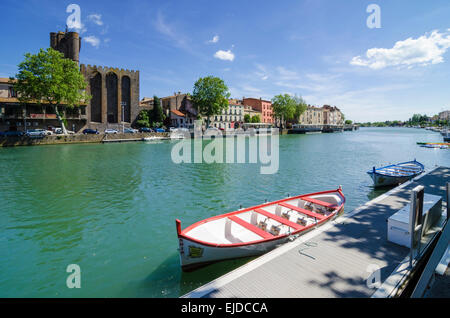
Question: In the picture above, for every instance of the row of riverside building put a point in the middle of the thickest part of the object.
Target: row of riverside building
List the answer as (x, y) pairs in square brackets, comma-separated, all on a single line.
[(115, 102), (179, 108)]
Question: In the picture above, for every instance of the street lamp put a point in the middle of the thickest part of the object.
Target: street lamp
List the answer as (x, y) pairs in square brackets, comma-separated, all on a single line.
[(123, 104)]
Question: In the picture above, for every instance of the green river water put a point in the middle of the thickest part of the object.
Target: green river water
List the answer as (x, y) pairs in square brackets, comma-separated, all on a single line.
[(111, 208)]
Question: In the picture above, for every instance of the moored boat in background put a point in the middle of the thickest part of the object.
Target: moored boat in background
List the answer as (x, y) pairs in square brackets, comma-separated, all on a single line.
[(446, 136), (396, 174), (255, 230)]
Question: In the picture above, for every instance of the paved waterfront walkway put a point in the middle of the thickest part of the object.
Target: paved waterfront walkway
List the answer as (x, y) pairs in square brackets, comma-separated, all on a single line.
[(331, 261)]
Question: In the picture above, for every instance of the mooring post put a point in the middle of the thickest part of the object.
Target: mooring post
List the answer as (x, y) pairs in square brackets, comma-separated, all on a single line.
[(448, 200), (415, 220)]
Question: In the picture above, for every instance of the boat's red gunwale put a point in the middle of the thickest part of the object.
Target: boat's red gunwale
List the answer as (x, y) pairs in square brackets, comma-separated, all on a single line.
[(181, 234)]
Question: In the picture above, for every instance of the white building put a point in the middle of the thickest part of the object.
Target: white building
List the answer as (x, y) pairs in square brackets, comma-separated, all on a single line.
[(445, 115), (229, 117)]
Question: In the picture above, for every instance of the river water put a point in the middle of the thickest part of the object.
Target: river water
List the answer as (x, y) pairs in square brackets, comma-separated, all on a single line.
[(111, 208)]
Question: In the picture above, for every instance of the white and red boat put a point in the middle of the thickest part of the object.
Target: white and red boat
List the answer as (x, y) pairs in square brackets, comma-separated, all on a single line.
[(255, 230)]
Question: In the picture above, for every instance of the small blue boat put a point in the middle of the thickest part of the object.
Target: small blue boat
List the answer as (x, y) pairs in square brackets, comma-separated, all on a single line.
[(396, 174)]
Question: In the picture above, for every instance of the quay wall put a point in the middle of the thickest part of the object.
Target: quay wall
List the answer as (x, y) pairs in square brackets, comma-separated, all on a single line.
[(12, 141), (302, 129)]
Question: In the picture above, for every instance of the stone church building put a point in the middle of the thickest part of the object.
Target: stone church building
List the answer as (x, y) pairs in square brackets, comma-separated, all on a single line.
[(114, 91)]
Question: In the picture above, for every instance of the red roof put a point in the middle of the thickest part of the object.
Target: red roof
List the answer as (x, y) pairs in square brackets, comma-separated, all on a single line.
[(177, 112)]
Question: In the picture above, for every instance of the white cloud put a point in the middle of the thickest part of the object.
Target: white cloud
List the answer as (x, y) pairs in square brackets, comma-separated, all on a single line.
[(92, 40), (426, 49), (285, 74), (77, 27), (224, 55), (169, 31), (95, 18), (215, 39), (261, 72), (251, 89)]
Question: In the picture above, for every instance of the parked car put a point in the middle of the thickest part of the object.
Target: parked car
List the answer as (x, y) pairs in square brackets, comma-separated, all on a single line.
[(36, 133), (111, 131), (159, 130), (145, 129), (59, 131), (90, 131), (13, 133), (130, 131)]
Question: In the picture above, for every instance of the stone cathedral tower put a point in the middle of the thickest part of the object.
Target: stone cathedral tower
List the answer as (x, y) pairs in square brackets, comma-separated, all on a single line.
[(68, 43)]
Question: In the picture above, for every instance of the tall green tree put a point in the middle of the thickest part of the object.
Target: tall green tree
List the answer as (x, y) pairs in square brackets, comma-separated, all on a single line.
[(284, 108), (418, 119), (256, 119), (48, 77), (210, 97), (156, 114), (247, 118), (300, 107), (143, 119)]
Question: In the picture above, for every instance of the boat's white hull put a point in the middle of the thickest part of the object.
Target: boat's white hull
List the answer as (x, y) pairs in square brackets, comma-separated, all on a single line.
[(395, 174), (382, 180), (193, 254), (153, 138)]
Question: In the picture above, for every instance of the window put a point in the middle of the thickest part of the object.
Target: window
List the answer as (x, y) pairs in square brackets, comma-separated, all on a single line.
[(12, 93)]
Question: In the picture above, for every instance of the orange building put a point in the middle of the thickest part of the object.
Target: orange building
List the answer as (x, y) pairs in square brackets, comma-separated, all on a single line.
[(263, 106)]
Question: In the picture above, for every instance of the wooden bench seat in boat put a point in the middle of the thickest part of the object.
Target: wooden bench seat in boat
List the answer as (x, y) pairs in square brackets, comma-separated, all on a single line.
[(318, 202), (303, 211), (397, 170), (250, 227), (279, 219), (407, 169)]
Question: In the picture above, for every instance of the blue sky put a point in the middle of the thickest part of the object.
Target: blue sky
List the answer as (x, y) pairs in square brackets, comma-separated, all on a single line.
[(321, 50)]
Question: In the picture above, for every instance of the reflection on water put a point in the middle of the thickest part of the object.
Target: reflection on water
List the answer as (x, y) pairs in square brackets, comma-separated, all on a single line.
[(192, 280), (111, 208), (376, 192)]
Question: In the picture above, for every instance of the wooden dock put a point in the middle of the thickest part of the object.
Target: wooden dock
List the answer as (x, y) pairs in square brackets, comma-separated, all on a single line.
[(338, 259)]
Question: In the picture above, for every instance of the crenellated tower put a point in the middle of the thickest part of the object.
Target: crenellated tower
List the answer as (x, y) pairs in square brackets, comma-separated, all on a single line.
[(68, 43)]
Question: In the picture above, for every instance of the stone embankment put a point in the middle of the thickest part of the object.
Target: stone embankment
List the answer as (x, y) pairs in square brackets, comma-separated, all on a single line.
[(12, 141)]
